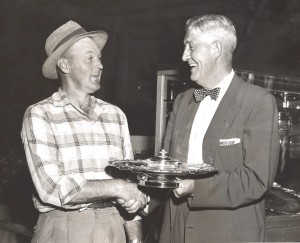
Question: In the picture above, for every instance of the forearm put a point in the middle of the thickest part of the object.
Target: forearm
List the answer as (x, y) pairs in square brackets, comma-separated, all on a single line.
[(134, 230), (100, 190)]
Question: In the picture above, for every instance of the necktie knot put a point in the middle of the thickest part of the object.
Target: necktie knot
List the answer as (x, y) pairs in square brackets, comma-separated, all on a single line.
[(200, 94)]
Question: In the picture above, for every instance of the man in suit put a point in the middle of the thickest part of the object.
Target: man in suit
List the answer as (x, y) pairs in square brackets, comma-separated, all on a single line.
[(230, 124)]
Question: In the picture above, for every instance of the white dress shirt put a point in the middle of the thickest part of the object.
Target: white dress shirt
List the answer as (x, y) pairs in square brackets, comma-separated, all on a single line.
[(203, 117)]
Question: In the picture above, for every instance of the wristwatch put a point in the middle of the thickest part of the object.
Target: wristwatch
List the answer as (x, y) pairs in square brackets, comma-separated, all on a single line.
[(136, 241)]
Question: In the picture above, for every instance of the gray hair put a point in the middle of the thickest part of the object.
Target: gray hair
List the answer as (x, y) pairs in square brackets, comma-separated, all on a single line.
[(217, 24)]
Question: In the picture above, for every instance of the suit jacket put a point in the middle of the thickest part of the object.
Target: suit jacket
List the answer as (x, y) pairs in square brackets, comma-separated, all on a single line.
[(228, 206)]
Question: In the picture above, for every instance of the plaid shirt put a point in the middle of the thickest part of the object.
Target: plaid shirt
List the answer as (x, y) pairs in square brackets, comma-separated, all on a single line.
[(65, 148)]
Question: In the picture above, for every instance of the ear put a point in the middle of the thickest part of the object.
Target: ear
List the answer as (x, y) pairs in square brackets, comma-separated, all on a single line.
[(63, 65), (216, 49)]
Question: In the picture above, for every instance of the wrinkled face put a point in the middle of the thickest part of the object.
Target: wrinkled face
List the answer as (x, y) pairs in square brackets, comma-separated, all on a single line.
[(85, 66), (198, 54)]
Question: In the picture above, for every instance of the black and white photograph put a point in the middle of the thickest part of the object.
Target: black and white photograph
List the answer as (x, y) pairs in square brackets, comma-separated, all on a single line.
[(149, 121)]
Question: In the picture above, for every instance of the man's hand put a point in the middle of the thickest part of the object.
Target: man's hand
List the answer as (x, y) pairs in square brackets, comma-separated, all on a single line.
[(132, 199), (186, 188)]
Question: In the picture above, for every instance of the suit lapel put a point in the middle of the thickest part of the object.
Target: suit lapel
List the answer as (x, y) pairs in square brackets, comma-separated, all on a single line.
[(182, 129), (222, 120)]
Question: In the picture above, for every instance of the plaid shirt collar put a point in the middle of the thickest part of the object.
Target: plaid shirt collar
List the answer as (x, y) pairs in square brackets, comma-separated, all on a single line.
[(60, 99)]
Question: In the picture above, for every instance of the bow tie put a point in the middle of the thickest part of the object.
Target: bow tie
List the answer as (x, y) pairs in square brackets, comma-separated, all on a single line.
[(200, 94)]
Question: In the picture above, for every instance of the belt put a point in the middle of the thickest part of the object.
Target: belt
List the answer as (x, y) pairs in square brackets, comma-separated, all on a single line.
[(101, 205)]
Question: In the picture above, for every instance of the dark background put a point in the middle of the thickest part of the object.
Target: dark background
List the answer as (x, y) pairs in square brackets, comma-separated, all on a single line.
[(144, 36)]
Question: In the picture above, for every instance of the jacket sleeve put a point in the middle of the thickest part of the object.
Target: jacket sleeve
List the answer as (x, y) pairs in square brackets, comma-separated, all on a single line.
[(249, 181)]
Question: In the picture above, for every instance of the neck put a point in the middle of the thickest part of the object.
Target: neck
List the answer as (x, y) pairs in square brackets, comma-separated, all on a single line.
[(79, 99), (217, 78)]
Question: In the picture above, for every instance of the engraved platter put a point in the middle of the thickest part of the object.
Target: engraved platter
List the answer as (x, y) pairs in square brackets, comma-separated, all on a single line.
[(163, 171)]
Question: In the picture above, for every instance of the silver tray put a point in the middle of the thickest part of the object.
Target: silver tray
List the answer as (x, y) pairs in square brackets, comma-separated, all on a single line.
[(141, 166), (162, 171)]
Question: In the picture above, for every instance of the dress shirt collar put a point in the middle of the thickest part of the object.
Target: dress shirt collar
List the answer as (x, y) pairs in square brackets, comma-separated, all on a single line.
[(224, 84), (226, 81)]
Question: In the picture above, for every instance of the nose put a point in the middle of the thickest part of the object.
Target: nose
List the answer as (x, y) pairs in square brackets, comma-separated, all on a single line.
[(186, 54), (99, 64)]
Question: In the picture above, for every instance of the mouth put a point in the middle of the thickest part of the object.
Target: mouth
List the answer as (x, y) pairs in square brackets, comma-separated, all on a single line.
[(192, 65), (95, 79), (96, 76)]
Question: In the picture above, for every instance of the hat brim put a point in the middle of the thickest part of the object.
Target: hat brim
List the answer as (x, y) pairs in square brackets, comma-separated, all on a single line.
[(49, 66)]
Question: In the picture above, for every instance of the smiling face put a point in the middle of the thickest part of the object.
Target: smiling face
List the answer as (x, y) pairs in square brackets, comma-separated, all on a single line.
[(83, 66), (201, 57)]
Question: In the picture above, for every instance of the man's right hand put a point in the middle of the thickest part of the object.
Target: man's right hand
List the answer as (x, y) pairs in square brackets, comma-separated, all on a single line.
[(131, 198), (127, 193)]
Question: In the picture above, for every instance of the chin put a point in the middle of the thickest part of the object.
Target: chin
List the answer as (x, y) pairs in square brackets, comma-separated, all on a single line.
[(194, 79), (95, 84), (94, 88)]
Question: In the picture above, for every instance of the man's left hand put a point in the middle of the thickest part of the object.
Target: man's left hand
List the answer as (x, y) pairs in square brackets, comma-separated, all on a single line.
[(186, 188)]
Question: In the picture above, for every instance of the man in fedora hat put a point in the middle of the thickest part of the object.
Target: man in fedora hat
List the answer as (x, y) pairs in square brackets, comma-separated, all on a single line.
[(69, 139)]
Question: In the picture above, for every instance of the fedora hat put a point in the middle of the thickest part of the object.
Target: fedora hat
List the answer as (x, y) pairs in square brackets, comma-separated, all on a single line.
[(62, 39)]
